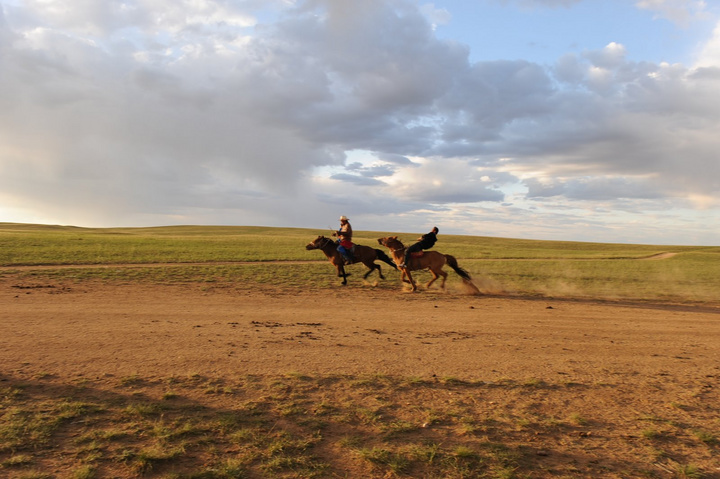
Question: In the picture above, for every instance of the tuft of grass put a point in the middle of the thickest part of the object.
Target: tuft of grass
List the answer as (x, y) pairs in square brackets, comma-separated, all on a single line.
[(689, 471), (84, 472), (144, 409), (706, 437), (169, 395), (17, 460), (391, 461), (578, 419)]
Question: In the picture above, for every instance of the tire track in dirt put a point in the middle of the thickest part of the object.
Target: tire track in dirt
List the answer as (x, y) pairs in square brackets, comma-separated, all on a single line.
[(25, 267)]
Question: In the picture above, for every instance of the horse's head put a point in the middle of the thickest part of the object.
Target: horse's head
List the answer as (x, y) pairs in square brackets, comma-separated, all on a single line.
[(391, 242), (318, 243)]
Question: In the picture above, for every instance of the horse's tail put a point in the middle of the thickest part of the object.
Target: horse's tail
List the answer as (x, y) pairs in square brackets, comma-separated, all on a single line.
[(452, 262), (383, 257)]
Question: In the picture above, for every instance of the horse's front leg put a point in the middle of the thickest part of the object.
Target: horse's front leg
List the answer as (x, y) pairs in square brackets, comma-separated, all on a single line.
[(380, 271), (341, 273), (410, 278)]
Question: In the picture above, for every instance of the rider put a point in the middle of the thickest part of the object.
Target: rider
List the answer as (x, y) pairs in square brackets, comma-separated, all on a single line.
[(344, 235), (426, 241)]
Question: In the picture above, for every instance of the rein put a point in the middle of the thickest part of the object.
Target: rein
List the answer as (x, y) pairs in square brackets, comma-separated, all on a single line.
[(327, 241), (397, 249)]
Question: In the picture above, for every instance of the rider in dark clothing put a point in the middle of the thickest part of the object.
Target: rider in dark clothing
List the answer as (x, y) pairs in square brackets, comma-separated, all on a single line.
[(426, 241)]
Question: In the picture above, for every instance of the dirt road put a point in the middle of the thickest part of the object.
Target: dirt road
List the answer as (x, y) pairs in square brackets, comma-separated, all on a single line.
[(163, 330), (574, 388)]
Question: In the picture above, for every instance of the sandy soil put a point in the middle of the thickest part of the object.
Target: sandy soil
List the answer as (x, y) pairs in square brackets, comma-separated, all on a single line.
[(655, 354), (163, 330)]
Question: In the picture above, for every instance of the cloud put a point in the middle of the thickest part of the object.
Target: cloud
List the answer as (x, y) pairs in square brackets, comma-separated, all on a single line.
[(543, 3), (188, 110), (681, 12), (371, 171), (612, 56), (99, 18), (593, 189), (710, 53), (395, 159), (357, 179)]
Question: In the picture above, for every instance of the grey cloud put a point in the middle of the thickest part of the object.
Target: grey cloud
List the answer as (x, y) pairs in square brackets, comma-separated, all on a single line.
[(357, 179), (706, 73), (371, 171), (570, 69), (494, 93), (612, 56), (602, 189), (442, 196), (457, 191), (395, 159), (542, 3), (193, 112), (680, 12)]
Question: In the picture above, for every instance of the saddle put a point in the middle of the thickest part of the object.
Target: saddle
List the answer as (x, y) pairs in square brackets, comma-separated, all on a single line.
[(417, 254)]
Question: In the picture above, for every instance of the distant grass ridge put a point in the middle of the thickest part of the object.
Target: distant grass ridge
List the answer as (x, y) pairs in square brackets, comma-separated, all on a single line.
[(213, 255)]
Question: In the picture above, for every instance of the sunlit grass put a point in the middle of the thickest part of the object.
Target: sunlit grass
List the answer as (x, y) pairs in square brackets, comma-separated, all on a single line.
[(364, 426), (221, 257)]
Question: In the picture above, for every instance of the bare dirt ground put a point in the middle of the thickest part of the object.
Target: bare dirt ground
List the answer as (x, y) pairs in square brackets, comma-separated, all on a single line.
[(637, 366)]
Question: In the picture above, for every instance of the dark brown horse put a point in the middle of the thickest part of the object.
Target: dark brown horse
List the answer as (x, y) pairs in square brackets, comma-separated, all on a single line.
[(361, 254), (432, 260)]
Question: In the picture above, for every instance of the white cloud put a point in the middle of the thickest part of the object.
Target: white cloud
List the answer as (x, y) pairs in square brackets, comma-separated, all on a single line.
[(681, 12), (161, 110), (710, 53), (612, 56), (543, 3)]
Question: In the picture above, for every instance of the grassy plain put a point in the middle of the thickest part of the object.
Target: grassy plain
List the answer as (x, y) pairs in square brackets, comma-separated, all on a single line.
[(292, 425), (271, 255)]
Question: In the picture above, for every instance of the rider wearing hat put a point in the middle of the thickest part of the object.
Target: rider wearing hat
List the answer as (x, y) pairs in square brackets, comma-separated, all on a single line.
[(426, 241), (344, 235)]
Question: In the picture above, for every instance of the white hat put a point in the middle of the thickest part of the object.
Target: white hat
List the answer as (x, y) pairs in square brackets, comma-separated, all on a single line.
[(343, 218)]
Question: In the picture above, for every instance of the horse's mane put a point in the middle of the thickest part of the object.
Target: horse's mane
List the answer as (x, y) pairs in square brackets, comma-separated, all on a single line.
[(396, 240)]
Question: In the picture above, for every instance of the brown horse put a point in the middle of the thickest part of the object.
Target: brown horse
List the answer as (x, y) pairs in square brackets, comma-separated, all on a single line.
[(361, 254), (432, 260)]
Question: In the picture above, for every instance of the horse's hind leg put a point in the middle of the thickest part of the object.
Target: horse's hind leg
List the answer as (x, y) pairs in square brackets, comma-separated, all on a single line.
[(372, 267), (436, 275)]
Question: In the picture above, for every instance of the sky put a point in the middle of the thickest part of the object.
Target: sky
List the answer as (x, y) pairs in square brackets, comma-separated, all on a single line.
[(578, 120)]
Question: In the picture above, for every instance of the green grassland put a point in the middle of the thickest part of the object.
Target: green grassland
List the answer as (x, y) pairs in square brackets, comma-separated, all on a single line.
[(293, 426), (373, 426), (277, 256)]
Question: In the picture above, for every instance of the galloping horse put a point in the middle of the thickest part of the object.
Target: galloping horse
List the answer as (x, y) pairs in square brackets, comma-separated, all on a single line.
[(432, 260), (362, 254)]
